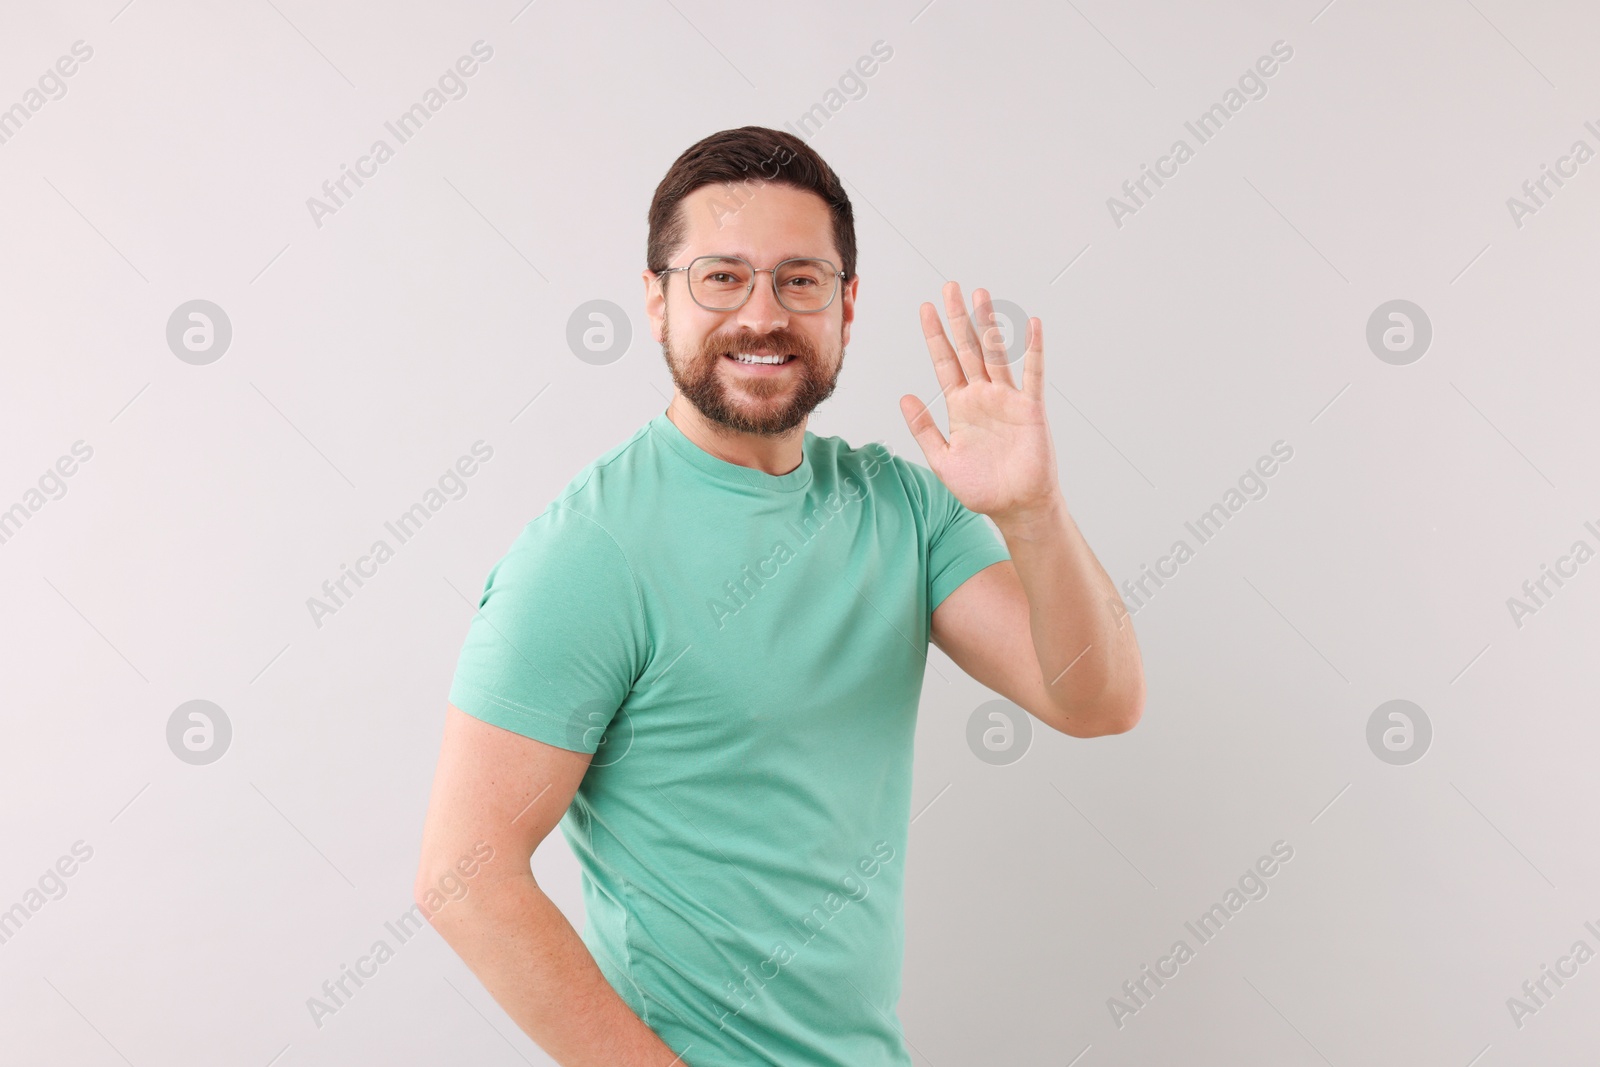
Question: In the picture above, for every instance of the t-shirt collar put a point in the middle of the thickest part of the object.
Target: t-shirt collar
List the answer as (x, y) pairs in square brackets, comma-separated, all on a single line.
[(732, 473)]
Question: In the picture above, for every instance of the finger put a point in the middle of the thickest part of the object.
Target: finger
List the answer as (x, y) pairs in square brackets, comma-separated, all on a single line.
[(992, 338), (966, 338), (920, 421), (945, 365), (1033, 361)]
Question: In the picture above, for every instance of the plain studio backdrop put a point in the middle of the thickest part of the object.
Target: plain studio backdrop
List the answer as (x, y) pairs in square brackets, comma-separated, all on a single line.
[(1360, 259)]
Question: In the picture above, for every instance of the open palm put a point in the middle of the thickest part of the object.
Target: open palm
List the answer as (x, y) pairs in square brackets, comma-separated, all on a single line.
[(999, 460)]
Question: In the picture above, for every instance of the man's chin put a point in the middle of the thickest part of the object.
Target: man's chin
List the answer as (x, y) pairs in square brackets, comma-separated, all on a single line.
[(764, 416)]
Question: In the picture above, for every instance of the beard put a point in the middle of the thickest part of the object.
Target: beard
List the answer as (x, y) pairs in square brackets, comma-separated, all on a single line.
[(768, 407)]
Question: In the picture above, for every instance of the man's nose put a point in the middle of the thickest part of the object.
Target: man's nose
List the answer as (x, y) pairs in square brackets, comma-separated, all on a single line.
[(762, 313)]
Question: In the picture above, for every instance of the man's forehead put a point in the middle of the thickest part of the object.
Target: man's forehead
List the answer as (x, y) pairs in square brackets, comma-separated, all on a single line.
[(758, 219)]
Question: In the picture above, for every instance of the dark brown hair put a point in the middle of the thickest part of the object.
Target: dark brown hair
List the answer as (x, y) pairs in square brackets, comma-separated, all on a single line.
[(742, 157)]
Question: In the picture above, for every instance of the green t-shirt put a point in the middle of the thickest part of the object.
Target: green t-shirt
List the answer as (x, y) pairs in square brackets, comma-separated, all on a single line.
[(743, 653)]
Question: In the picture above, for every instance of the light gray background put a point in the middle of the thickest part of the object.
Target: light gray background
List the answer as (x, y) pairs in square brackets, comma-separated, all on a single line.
[(1230, 312)]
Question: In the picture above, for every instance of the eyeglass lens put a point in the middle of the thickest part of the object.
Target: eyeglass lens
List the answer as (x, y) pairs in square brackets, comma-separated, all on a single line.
[(721, 283)]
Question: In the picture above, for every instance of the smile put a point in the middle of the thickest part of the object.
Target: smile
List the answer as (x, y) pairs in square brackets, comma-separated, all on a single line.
[(772, 361)]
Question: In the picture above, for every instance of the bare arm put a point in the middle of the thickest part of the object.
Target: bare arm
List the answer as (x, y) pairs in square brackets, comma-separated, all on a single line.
[(1046, 628), (499, 787), (1047, 631)]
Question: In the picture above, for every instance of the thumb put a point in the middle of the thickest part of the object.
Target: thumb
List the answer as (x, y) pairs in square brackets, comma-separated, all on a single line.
[(919, 419)]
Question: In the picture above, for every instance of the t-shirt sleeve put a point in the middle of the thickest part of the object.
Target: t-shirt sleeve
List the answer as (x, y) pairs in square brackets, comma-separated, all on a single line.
[(559, 637), (960, 542)]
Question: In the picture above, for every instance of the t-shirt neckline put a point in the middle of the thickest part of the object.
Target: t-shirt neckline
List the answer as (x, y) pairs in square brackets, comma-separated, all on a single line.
[(733, 473)]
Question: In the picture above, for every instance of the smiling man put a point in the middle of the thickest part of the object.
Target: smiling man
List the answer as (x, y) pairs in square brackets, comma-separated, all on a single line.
[(703, 659)]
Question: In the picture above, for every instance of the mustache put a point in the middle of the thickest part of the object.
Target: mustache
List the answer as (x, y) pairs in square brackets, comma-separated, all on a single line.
[(785, 341)]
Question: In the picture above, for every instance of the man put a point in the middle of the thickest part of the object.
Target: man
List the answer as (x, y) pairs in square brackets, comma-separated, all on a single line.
[(704, 657)]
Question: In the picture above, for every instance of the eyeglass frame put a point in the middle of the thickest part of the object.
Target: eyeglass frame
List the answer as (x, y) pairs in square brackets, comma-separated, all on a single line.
[(751, 288)]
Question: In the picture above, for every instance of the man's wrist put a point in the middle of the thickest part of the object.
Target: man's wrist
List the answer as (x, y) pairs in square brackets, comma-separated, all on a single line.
[(1036, 520)]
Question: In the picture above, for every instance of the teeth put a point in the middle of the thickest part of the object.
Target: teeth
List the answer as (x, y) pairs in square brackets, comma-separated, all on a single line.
[(746, 358)]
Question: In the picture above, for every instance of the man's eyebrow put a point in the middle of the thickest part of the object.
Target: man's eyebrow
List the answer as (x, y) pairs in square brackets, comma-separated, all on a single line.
[(781, 257)]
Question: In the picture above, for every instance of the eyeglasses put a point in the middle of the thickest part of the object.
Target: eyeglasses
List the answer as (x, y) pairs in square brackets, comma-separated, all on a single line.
[(724, 283)]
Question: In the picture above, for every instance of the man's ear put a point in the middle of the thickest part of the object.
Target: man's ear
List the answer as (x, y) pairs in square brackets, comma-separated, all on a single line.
[(848, 308), (655, 302)]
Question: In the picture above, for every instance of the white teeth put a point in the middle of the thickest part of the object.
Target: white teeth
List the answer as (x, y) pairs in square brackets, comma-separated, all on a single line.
[(745, 358)]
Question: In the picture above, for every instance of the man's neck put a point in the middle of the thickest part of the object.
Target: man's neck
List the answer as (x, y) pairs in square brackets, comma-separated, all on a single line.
[(772, 455)]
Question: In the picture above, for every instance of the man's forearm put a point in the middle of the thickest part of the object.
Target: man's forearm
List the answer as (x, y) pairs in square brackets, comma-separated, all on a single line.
[(1087, 651), (535, 965)]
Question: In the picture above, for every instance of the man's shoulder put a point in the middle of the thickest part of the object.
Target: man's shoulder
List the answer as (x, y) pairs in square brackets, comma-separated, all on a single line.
[(603, 480), (869, 457), (879, 466), (589, 517)]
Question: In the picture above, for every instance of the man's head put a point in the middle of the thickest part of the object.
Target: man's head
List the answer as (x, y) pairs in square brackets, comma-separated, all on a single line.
[(764, 196)]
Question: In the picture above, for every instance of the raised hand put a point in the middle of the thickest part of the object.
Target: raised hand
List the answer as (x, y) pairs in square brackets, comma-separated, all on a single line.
[(999, 460)]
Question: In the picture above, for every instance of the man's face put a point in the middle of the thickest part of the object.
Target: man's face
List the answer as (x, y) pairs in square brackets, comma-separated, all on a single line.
[(763, 223)]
